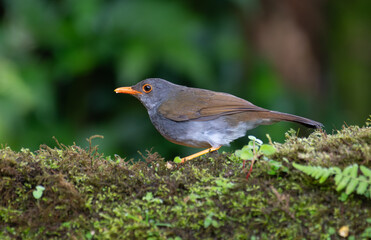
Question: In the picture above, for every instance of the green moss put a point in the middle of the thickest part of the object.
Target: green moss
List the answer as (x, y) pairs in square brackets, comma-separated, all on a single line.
[(90, 196)]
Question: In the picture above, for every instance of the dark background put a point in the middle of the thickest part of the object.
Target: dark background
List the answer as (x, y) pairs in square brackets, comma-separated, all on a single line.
[(61, 60)]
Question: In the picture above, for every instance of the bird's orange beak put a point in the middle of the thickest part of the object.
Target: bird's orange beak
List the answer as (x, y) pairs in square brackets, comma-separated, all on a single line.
[(127, 90)]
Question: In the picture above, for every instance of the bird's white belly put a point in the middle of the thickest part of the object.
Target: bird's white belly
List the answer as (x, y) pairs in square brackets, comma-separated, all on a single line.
[(217, 132)]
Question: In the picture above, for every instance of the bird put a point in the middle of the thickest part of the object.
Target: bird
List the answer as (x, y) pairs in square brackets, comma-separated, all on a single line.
[(201, 118)]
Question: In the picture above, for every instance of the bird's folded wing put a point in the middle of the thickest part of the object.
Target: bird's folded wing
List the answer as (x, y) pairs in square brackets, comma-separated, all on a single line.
[(203, 105)]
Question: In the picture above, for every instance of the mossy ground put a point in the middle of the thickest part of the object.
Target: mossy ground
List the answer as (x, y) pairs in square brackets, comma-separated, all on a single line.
[(90, 196)]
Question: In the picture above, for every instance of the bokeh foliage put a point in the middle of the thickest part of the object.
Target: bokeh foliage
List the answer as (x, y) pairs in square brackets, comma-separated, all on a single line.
[(61, 60)]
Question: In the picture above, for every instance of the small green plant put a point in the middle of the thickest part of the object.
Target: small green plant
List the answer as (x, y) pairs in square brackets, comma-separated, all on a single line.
[(149, 198), (38, 193), (254, 149), (347, 179), (177, 159), (210, 221), (275, 167), (89, 235)]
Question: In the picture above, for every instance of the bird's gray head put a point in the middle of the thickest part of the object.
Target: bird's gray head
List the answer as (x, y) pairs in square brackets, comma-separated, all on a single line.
[(151, 92)]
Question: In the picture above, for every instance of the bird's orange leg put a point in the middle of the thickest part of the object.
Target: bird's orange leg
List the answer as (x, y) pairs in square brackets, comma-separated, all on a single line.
[(209, 150)]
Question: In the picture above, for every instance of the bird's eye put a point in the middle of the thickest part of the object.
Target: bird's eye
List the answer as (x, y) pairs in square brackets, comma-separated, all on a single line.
[(147, 88)]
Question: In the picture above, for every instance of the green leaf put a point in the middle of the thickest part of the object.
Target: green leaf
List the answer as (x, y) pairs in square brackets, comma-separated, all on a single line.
[(272, 172), (366, 171), (267, 149), (274, 166), (148, 197), (312, 171), (336, 170), (88, 235), (246, 147), (362, 186), (351, 186), (354, 171), (338, 178), (297, 166), (343, 197), (318, 171), (324, 176), (215, 223), (37, 194), (40, 188), (347, 179), (238, 153), (343, 183), (177, 159), (208, 220), (348, 170), (247, 154)]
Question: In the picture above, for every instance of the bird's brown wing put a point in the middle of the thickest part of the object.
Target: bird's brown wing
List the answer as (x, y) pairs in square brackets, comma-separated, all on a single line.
[(203, 105)]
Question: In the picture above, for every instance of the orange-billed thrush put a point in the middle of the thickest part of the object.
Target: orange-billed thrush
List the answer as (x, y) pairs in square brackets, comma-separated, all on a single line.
[(202, 118)]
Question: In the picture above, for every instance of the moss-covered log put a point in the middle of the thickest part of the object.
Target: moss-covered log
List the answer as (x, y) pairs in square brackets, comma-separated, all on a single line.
[(88, 195)]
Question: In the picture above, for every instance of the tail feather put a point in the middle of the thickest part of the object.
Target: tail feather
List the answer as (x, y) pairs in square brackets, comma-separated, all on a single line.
[(278, 116)]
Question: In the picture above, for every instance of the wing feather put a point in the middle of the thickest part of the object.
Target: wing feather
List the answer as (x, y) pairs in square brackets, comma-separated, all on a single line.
[(203, 105)]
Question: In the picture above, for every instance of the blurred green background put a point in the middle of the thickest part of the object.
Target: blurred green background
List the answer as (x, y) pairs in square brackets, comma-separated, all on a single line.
[(61, 60)]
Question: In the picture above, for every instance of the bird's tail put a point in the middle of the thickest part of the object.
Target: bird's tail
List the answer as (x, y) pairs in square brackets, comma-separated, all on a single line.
[(278, 116), (293, 118)]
